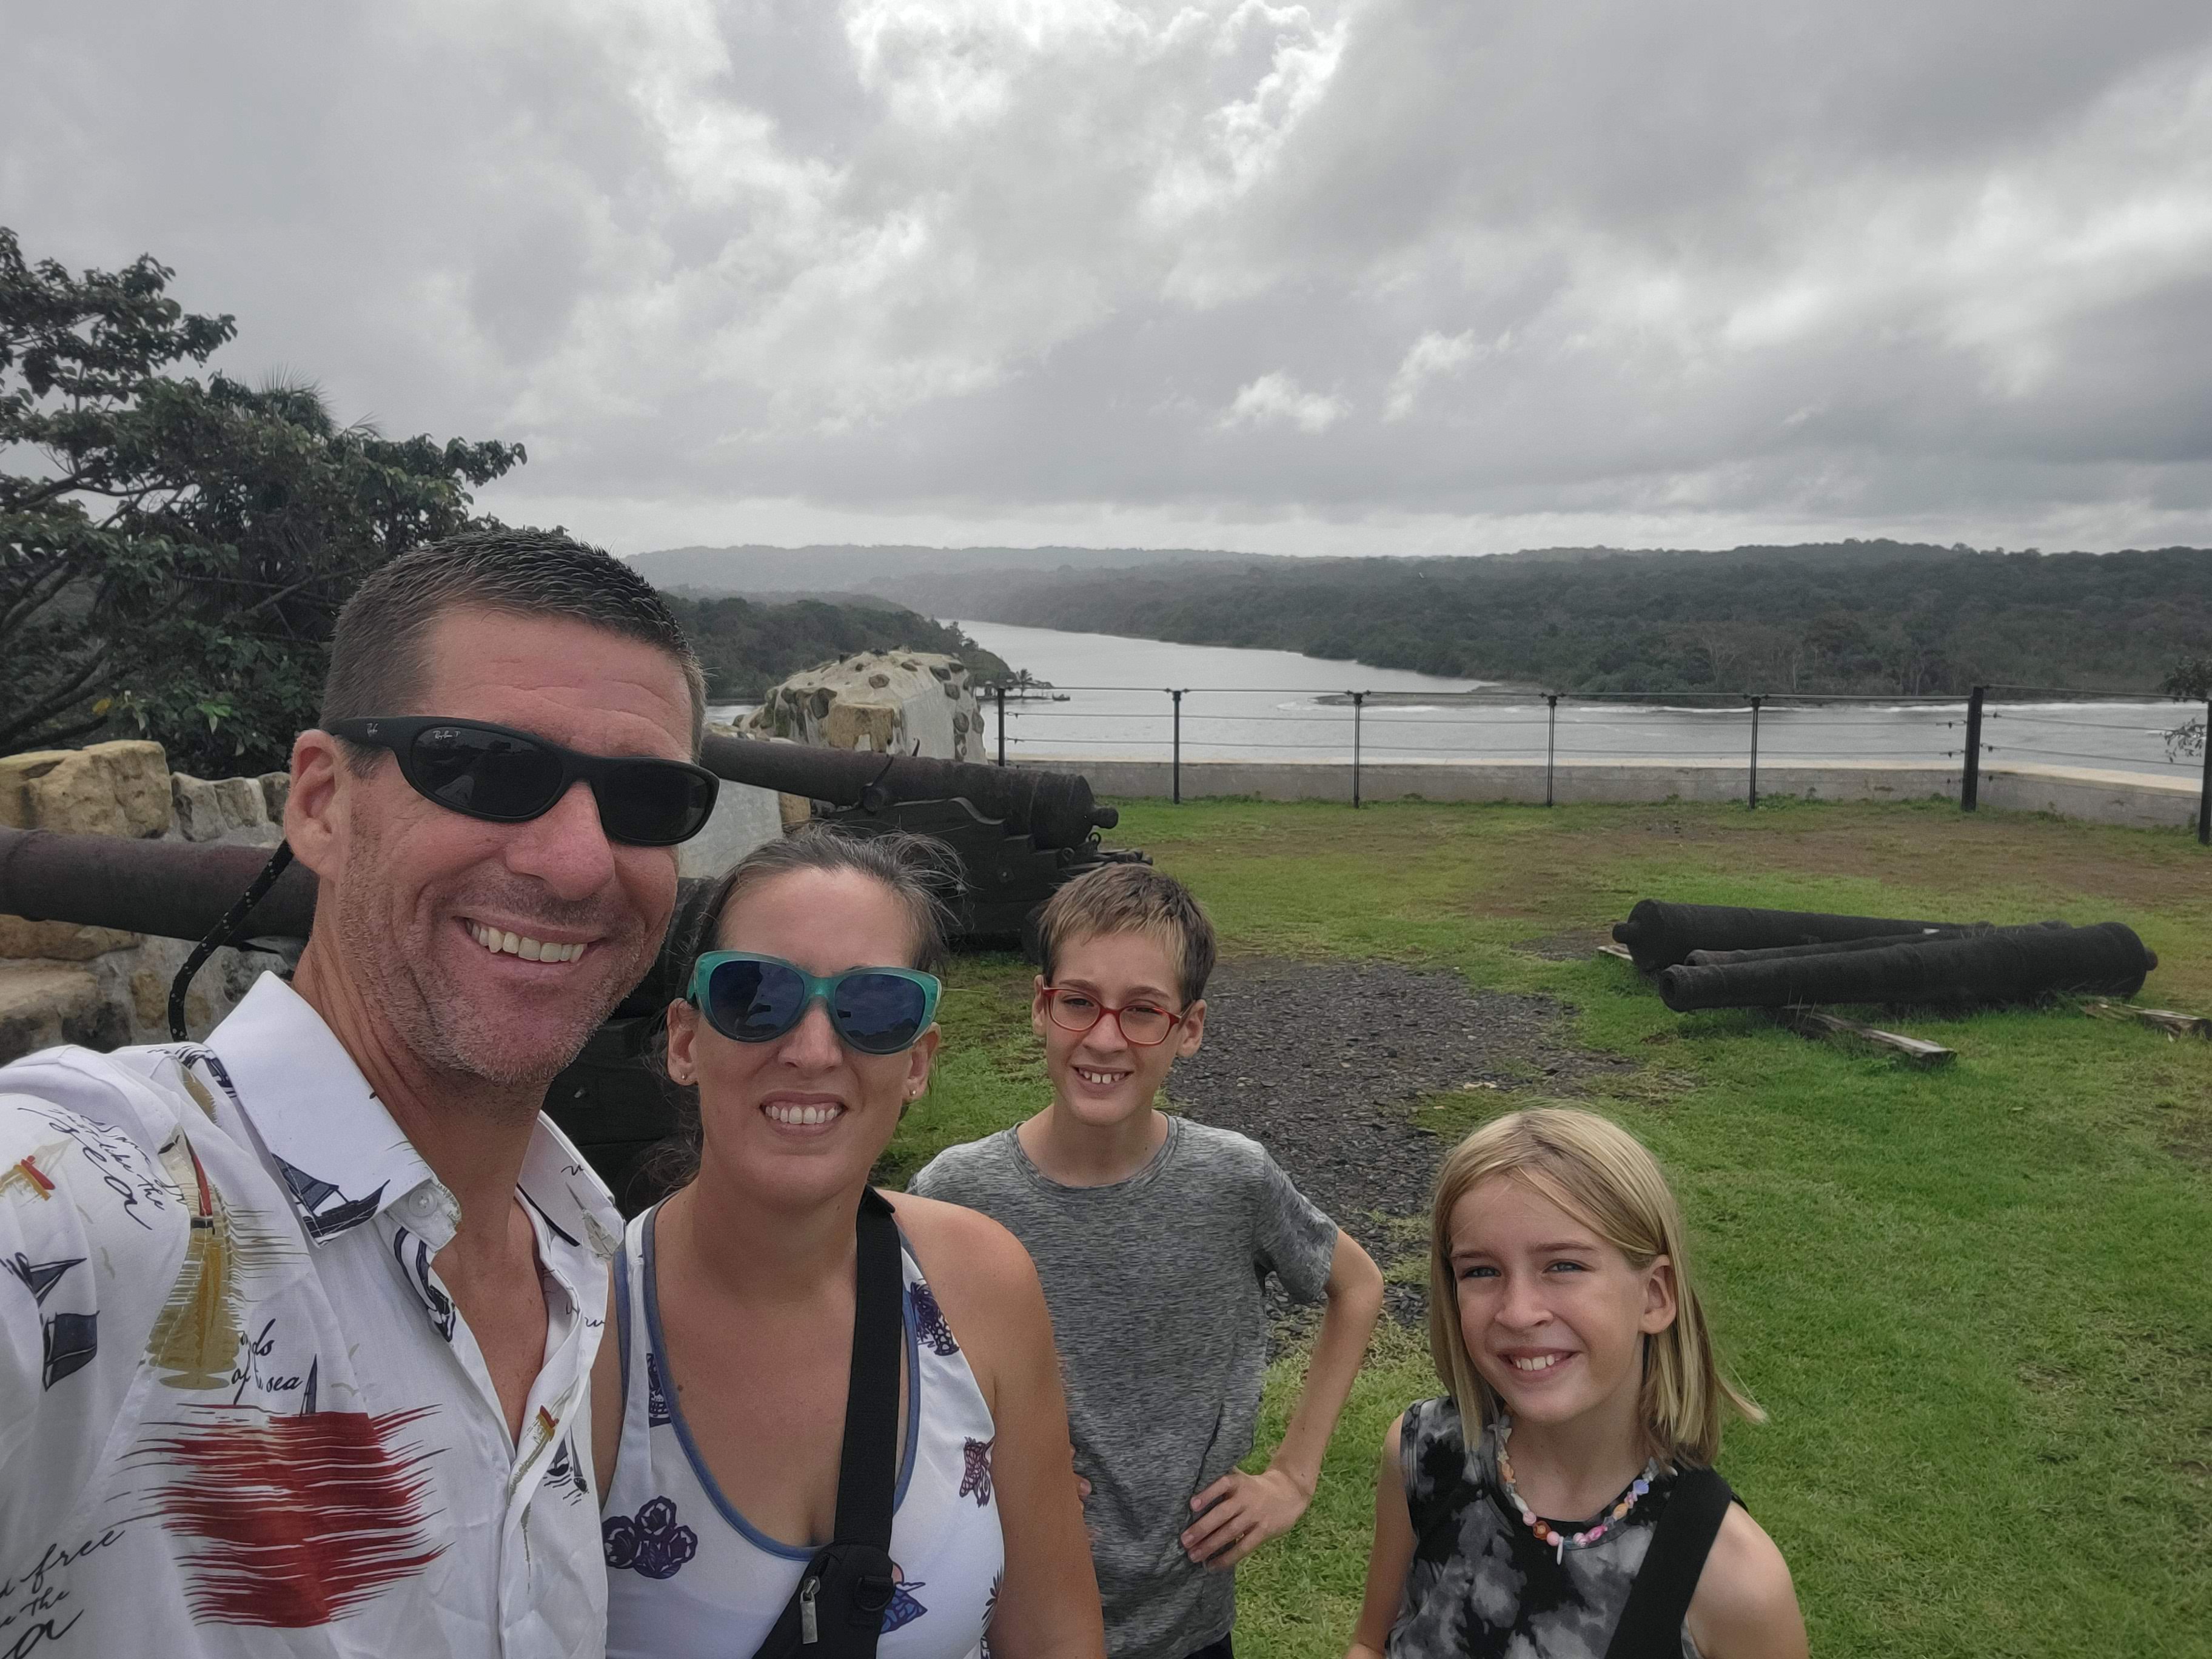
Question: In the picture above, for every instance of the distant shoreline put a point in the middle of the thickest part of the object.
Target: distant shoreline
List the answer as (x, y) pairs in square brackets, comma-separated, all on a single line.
[(1484, 693)]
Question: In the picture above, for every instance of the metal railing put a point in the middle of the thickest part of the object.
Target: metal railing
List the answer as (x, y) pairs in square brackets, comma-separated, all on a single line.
[(2002, 725)]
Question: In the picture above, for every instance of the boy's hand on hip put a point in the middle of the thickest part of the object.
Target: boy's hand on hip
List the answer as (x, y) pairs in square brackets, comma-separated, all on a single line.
[(1240, 1512)]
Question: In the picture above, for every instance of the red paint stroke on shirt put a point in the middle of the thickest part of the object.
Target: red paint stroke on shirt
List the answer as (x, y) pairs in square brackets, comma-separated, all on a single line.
[(35, 1178), (303, 1518)]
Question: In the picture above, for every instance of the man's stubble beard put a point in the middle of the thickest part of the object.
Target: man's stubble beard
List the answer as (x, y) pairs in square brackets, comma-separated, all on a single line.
[(440, 1023)]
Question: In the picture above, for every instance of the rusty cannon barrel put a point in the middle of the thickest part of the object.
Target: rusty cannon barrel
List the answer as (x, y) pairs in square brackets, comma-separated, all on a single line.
[(1053, 809), (175, 888)]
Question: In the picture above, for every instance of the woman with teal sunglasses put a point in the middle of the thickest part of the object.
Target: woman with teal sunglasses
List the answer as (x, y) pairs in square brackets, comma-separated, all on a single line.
[(806, 1031)]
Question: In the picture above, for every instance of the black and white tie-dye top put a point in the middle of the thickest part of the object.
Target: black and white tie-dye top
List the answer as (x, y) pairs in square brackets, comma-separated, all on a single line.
[(1481, 1582)]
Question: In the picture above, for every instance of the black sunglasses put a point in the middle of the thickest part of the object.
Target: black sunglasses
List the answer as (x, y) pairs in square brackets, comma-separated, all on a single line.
[(749, 998), (508, 776)]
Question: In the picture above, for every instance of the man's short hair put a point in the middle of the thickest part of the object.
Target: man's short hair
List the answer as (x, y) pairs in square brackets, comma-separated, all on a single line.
[(1131, 898), (378, 651)]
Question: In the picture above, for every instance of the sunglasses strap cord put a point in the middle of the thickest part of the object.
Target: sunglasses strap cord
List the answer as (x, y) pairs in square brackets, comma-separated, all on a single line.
[(224, 932)]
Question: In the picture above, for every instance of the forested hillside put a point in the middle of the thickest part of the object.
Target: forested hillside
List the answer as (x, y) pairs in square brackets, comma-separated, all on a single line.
[(746, 647), (1857, 616)]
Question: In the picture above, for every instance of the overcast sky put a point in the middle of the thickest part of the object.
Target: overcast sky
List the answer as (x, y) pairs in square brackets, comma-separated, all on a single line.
[(1350, 276)]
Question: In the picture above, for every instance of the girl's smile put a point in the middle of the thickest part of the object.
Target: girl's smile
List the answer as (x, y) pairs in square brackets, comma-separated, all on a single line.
[(1554, 1316)]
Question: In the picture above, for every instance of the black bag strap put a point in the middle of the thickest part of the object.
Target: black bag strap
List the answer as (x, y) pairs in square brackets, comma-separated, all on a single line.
[(837, 1610), (868, 1466), (1651, 1624)]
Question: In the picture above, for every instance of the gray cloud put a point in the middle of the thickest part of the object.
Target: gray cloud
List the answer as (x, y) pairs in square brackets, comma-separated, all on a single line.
[(1354, 274)]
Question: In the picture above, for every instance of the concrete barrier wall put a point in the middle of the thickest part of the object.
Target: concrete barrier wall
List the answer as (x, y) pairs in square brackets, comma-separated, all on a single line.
[(2095, 797)]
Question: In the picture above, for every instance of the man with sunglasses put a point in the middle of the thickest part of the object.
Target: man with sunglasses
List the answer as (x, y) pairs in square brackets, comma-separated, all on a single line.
[(297, 1323)]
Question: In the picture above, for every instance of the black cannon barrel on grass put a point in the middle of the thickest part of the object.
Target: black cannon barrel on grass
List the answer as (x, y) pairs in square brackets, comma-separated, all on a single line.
[(1880, 942), (2006, 964), (1659, 934)]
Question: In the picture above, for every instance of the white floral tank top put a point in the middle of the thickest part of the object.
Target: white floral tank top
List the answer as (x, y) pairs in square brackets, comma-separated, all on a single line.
[(689, 1575)]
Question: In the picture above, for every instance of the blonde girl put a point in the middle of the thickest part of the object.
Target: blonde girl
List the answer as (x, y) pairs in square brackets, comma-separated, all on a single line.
[(1559, 1501)]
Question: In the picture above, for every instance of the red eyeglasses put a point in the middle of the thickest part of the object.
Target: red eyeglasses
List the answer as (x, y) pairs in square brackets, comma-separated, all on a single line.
[(1144, 1024)]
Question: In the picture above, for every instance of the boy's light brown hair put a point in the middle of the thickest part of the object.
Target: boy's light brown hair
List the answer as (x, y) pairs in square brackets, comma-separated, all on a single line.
[(1131, 898), (1604, 1176)]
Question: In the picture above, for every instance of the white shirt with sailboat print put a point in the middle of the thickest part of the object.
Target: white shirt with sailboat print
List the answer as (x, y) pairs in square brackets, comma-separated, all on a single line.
[(239, 1412)]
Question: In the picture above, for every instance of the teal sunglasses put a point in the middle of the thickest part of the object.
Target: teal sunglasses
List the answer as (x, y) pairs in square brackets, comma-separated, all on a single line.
[(755, 999)]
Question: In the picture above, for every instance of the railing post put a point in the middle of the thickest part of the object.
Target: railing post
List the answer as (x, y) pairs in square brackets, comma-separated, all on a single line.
[(1754, 753), (1969, 786), (1550, 741), (1002, 723), (2204, 801), (1178, 764), (1359, 703)]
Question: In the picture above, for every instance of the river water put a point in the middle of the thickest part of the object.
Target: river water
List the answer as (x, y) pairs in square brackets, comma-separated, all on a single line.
[(1111, 701)]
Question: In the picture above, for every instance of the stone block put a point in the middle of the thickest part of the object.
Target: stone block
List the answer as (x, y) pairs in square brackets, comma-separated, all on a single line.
[(879, 702), (16, 774), (209, 808), (59, 941), (276, 792), (793, 810), (41, 1006), (142, 989), (108, 789)]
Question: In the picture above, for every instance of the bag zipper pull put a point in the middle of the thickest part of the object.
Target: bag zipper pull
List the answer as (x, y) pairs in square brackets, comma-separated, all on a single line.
[(809, 1631)]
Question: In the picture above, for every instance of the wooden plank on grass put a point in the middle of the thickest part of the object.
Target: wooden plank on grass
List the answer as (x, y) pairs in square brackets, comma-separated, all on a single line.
[(1811, 1022), (2163, 1019), (1620, 951)]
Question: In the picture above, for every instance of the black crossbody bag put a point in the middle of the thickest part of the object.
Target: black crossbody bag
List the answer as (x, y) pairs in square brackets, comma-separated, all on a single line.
[(837, 1611)]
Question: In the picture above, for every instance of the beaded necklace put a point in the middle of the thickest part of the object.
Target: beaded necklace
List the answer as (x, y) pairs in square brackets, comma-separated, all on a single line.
[(1631, 1495)]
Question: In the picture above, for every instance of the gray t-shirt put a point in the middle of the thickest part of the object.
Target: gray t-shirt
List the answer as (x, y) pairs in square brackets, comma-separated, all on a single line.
[(1155, 1288)]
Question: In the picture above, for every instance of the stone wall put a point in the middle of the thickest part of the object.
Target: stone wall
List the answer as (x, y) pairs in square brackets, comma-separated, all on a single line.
[(887, 703), (63, 983)]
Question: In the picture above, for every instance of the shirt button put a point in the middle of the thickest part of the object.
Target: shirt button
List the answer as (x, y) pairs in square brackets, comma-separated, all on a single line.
[(420, 1202)]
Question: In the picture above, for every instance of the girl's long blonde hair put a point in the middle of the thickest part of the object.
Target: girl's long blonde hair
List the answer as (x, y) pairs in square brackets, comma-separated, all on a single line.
[(1603, 1176)]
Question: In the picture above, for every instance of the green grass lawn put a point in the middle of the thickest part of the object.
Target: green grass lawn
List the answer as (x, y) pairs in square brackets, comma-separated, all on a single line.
[(1977, 1302)]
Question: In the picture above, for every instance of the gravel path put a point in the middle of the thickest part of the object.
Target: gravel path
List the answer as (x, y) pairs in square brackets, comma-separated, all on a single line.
[(1320, 1061)]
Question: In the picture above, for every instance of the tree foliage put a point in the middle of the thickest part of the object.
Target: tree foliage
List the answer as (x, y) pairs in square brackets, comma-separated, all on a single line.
[(1876, 617), (2190, 680), (747, 647), (173, 560)]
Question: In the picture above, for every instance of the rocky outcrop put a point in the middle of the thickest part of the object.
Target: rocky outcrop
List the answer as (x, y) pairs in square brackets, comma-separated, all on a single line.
[(108, 789), (233, 809), (886, 702), (42, 1004), (99, 985)]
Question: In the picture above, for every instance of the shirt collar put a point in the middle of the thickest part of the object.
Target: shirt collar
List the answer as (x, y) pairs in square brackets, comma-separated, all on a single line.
[(337, 1150), (568, 1194)]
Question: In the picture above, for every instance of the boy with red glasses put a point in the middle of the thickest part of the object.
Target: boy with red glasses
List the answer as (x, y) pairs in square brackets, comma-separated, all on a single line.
[(1152, 1235)]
